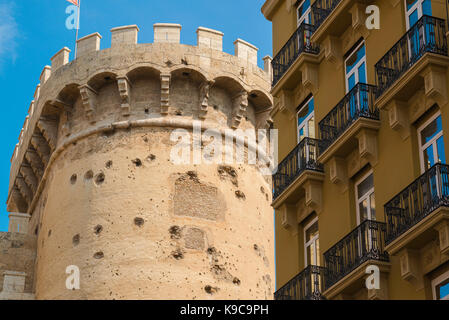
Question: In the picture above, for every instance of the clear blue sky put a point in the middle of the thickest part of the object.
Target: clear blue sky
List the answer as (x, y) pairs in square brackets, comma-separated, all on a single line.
[(32, 31)]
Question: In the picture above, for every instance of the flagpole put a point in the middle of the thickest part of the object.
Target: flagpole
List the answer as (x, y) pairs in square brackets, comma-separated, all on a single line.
[(77, 26)]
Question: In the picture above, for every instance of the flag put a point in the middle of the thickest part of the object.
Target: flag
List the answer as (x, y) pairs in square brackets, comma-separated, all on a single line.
[(75, 2)]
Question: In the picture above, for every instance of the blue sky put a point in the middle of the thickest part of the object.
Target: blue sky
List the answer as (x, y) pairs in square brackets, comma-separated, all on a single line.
[(32, 31)]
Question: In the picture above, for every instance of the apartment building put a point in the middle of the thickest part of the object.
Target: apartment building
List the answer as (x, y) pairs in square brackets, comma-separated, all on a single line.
[(362, 187)]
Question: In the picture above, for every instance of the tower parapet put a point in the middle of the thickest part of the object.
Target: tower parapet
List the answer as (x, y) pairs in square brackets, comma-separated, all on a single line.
[(93, 169)]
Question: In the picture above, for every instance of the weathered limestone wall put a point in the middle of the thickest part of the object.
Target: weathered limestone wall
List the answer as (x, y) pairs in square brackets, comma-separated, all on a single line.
[(93, 169)]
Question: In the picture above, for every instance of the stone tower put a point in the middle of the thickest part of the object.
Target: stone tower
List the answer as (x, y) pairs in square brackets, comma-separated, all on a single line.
[(94, 172)]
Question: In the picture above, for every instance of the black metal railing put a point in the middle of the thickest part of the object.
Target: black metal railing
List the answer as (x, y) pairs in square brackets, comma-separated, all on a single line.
[(321, 9), (364, 243), (298, 43), (302, 157), (307, 285), (428, 34), (426, 194), (358, 103)]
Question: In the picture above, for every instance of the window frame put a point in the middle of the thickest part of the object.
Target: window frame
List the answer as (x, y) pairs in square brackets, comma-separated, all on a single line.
[(311, 242), (355, 69), (304, 17), (367, 195), (436, 282), (305, 122), (408, 12), (433, 142)]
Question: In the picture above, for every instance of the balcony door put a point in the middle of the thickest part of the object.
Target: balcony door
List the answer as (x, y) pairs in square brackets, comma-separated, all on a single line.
[(355, 67), (311, 244), (415, 9), (431, 143), (306, 129), (419, 35), (366, 205)]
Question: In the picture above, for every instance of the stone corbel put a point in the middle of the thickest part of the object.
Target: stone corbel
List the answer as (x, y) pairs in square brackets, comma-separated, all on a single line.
[(288, 217), (204, 98), (35, 162), (398, 118), (89, 100), (285, 102), (411, 270), (61, 105), (25, 191), (165, 93), (313, 195), (435, 86), (29, 177), (240, 104), (309, 74), (368, 145), (338, 173), (41, 147), (382, 292), (443, 235), (49, 129), (17, 203), (332, 50), (358, 15), (124, 89)]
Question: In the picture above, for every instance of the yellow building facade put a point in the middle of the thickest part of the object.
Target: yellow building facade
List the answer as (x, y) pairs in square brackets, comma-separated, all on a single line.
[(361, 194)]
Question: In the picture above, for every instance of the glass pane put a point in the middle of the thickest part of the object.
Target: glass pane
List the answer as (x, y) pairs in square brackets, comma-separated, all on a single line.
[(305, 111), (444, 290), (431, 130), (429, 159), (310, 255), (427, 8), (363, 210), (351, 82), (365, 186), (413, 17), (312, 127), (362, 73), (373, 207), (440, 148), (312, 231), (302, 134), (303, 8), (317, 249), (355, 58)]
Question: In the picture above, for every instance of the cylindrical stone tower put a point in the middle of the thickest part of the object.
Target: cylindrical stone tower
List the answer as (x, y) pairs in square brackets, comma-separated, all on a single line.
[(94, 168)]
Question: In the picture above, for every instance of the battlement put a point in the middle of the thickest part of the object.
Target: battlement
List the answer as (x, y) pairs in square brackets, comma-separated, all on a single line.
[(65, 81)]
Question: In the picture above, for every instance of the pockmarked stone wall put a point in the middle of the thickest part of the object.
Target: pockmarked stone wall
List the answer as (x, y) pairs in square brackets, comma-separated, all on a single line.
[(94, 168)]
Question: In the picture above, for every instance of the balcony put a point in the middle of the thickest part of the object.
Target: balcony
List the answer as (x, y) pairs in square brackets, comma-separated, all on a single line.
[(321, 9), (307, 285), (298, 43), (418, 202), (402, 70), (345, 262), (303, 157)]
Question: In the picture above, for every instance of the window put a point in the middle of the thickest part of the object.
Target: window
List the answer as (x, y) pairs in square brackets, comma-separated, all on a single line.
[(431, 143), (415, 9), (366, 204), (312, 246), (440, 287), (355, 67), (306, 120), (304, 12)]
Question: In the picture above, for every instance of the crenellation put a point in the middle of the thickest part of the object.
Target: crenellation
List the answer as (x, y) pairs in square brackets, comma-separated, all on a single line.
[(167, 33), (88, 44), (124, 35), (246, 51), (60, 59), (209, 38), (45, 74)]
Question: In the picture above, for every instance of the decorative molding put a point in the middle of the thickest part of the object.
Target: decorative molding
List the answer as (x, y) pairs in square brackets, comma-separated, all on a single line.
[(289, 217), (435, 85), (49, 130), (338, 172), (411, 270), (313, 195), (443, 236), (398, 117), (368, 145), (309, 74), (332, 50)]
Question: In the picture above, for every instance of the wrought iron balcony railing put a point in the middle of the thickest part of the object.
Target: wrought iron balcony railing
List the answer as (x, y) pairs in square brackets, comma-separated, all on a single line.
[(426, 194), (428, 34), (307, 285), (302, 157), (358, 103), (364, 243), (321, 9), (298, 43)]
